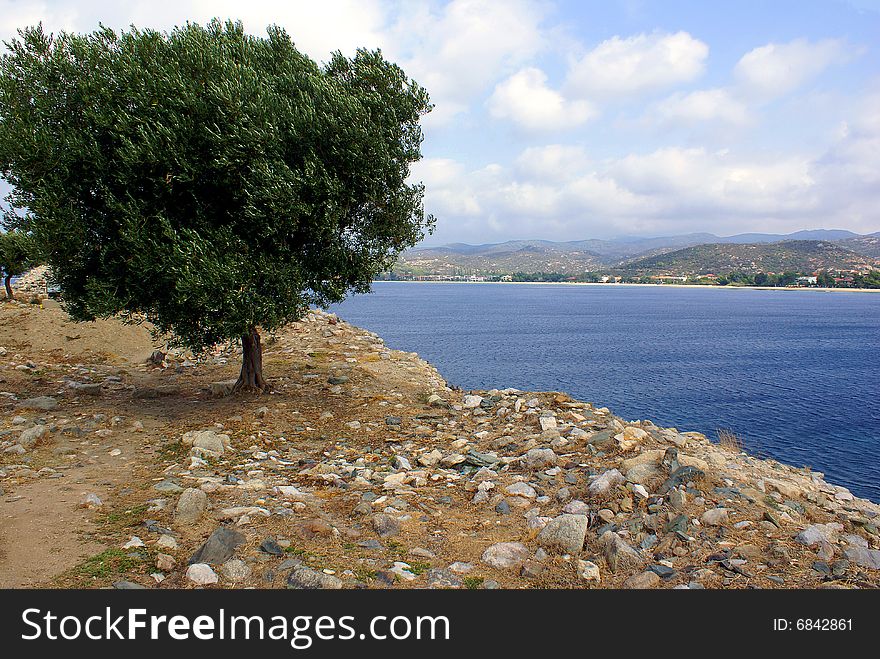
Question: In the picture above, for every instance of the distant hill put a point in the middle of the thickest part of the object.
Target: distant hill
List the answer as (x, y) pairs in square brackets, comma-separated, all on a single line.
[(865, 245), (580, 256), (515, 256), (750, 258)]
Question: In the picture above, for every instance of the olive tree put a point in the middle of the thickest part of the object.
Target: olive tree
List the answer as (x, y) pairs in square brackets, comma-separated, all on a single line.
[(17, 256), (211, 182)]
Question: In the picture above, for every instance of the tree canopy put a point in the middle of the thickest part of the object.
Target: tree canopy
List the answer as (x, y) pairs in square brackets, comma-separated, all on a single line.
[(208, 181)]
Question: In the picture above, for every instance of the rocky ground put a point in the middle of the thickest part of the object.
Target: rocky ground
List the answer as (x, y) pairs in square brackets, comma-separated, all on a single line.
[(363, 469)]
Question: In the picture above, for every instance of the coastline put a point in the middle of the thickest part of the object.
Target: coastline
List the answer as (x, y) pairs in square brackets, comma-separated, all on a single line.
[(376, 473), (584, 283)]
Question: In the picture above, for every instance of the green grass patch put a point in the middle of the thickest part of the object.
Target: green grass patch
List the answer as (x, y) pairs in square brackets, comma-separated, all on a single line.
[(124, 519), (473, 583), (107, 564)]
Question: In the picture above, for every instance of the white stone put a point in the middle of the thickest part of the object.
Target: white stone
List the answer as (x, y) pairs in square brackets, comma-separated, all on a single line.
[(201, 574), (589, 571)]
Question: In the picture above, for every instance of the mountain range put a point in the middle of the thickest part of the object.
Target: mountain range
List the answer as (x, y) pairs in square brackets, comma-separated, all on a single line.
[(801, 250)]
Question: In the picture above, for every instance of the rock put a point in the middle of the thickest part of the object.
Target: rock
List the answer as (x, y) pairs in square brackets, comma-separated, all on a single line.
[(714, 517), (165, 562), (291, 492), (547, 422), (191, 506), (505, 555), (400, 462), (305, 578), (677, 499), (430, 459), (91, 501), (219, 547), (606, 515), (503, 508), (393, 420), (235, 570), (618, 554), (631, 437), (45, 403), (601, 438), (863, 557), (481, 459), (32, 436), (166, 541), (440, 578), (134, 543), (644, 580), (588, 571), (470, 402), (201, 574), (156, 358), (207, 440), (680, 476), (818, 533), (521, 490), (785, 488), (606, 482), (385, 525), (652, 456), (224, 388), (531, 569), (89, 389), (576, 507), (269, 546), (565, 533), (168, 485), (127, 585), (539, 458), (643, 473)]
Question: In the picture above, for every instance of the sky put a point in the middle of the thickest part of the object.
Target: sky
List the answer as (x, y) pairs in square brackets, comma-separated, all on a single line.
[(568, 120)]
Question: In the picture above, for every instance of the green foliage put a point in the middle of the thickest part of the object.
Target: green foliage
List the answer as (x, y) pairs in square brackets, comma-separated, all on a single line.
[(17, 253), (207, 180), (107, 564)]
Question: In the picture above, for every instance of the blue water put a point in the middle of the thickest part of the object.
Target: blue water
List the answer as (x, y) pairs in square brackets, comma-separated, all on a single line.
[(796, 374)]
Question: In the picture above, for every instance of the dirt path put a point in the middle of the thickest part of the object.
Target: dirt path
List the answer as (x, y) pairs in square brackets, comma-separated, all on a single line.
[(43, 533)]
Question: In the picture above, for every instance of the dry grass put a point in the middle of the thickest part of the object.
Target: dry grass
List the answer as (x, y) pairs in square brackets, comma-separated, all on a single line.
[(729, 441)]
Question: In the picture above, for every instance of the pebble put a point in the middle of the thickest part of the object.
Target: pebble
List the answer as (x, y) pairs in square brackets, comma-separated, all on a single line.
[(642, 580), (235, 570), (305, 578), (588, 571), (201, 574)]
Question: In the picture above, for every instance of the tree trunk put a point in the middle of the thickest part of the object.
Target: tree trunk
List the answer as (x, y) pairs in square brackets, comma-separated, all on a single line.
[(9, 295), (251, 377)]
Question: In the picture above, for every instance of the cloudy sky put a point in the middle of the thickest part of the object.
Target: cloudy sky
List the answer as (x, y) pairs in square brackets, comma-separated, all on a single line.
[(566, 119)]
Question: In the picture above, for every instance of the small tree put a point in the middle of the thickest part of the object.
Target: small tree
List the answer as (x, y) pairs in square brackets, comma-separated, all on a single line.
[(17, 256), (210, 182)]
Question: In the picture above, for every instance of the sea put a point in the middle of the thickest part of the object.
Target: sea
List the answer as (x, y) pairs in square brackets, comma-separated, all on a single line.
[(794, 373)]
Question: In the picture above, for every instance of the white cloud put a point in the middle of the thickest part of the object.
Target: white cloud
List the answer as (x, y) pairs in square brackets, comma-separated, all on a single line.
[(317, 28), (525, 99), (463, 48), (706, 105), (552, 162), (623, 66), (667, 190), (776, 69)]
